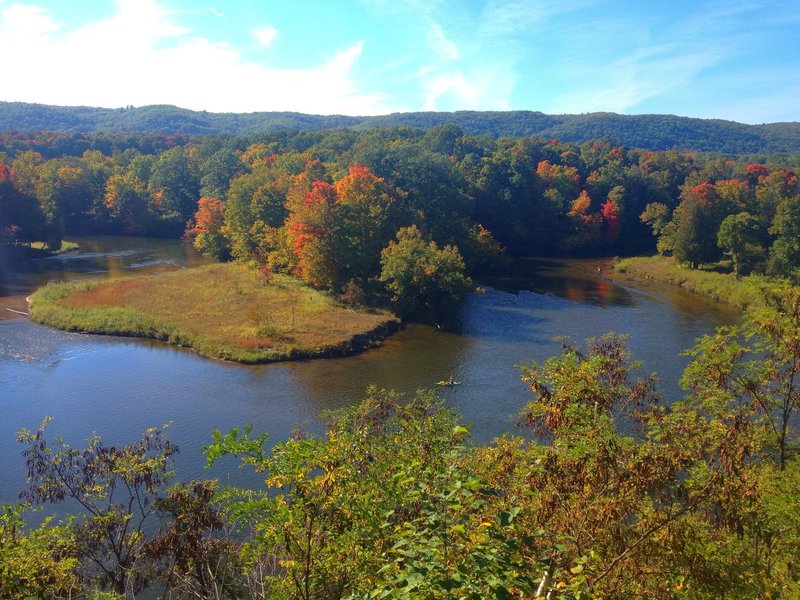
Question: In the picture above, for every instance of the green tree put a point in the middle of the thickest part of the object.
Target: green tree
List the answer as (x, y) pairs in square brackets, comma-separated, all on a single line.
[(739, 236), (633, 499), (380, 506), (115, 487), (255, 209), (218, 171), (36, 562), (21, 218), (785, 227), (755, 367), (175, 186), (694, 240), (35, 178), (657, 216), (420, 275), (127, 201)]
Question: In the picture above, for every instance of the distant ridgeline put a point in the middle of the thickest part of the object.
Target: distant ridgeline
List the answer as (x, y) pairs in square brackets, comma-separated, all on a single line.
[(652, 132)]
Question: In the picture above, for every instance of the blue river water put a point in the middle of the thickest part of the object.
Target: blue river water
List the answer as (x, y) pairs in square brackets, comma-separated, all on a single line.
[(118, 387)]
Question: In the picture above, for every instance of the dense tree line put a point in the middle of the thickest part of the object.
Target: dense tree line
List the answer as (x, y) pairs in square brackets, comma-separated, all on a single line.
[(747, 213), (324, 205), (652, 132), (604, 492)]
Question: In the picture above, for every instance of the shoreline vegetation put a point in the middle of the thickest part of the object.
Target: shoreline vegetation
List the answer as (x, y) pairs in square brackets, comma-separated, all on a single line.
[(225, 311), (722, 287), (40, 250), (63, 249)]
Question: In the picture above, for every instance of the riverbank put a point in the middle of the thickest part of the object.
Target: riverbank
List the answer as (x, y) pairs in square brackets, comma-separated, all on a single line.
[(224, 311), (722, 287)]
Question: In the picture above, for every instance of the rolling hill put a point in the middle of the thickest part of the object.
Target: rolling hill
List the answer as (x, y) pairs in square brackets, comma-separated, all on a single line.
[(653, 132)]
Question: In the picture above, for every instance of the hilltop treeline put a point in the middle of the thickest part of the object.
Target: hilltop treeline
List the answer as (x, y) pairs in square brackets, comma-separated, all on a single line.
[(325, 205), (653, 132)]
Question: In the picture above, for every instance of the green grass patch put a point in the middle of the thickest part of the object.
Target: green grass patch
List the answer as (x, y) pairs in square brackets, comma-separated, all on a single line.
[(223, 311), (722, 287)]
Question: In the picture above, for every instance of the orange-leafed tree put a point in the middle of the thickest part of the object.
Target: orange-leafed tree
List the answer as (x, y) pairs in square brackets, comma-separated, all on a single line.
[(586, 225), (207, 231), (364, 224)]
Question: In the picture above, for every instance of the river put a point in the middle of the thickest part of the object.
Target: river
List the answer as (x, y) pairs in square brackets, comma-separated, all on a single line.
[(118, 387)]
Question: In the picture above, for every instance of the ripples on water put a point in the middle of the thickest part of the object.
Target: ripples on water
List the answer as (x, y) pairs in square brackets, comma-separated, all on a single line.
[(119, 387)]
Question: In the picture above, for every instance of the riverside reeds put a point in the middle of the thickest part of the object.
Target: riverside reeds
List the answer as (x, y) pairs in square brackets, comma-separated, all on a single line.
[(722, 287)]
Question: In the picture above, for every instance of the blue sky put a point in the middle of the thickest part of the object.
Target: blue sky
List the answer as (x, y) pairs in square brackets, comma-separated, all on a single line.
[(737, 60)]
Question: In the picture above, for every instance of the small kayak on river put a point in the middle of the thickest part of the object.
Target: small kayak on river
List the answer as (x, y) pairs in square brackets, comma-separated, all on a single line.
[(448, 383)]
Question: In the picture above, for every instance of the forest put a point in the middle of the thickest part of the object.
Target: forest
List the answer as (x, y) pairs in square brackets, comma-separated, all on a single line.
[(605, 491), (401, 213)]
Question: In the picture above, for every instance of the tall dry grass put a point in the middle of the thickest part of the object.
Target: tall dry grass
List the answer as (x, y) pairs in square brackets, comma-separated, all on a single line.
[(223, 311)]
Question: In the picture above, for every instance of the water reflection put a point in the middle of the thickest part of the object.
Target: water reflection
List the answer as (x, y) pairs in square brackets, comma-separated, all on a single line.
[(579, 280), (97, 257), (119, 387)]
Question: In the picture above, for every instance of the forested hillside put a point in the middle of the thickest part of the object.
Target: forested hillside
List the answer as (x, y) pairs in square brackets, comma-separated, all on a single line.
[(652, 132)]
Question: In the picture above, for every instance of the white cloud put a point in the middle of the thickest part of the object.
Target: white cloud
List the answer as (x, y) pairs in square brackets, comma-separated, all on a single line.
[(503, 18), (265, 35), (448, 84), (141, 56), (215, 12), (439, 42), (481, 89), (20, 21)]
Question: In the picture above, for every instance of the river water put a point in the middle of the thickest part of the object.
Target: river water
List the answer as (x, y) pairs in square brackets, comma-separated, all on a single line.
[(119, 387)]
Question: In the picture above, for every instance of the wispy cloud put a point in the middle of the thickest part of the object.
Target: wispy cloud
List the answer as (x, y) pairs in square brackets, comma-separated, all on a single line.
[(472, 52), (622, 84), (142, 55), (631, 65), (439, 42), (265, 35), (453, 84), (215, 12)]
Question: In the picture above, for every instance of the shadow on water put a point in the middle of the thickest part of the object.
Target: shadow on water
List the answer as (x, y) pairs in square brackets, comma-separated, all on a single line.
[(504, 317), (578, 280)]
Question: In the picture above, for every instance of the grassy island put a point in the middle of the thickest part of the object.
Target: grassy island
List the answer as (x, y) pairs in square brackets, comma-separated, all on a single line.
[(225, 311)]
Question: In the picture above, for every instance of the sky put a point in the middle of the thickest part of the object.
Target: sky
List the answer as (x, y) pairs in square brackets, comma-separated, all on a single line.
[(736, 60)]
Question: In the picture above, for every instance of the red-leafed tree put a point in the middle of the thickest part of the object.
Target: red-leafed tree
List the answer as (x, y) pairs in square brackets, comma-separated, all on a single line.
[(756, 173), (612, 219), (310, 227)]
